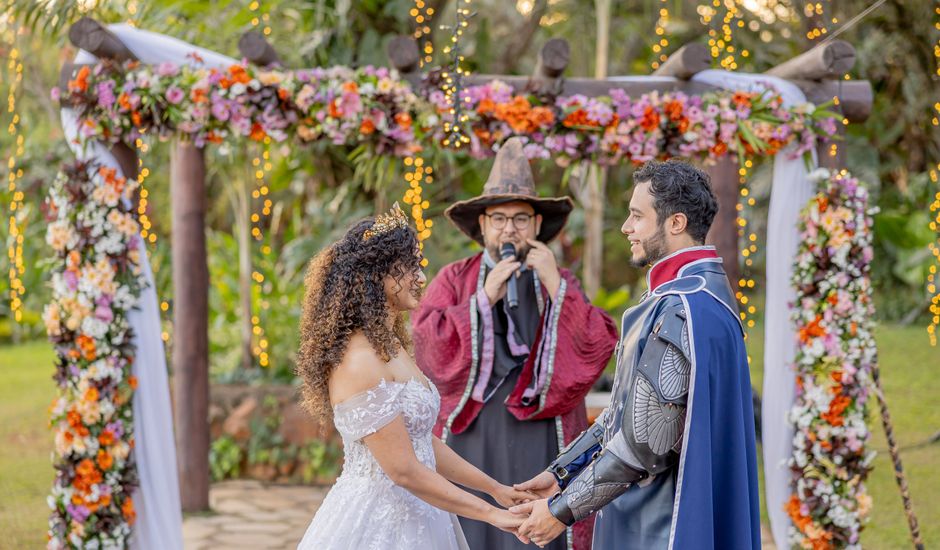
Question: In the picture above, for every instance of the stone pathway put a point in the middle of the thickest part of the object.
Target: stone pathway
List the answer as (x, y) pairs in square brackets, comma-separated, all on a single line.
[(250, 514), (254, 515)]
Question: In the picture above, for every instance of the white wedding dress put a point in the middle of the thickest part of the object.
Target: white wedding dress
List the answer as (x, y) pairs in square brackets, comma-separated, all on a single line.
[(364, 509)]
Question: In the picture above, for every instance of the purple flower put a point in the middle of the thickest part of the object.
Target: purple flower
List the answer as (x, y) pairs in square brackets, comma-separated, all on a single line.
[(55, 93), (78, 513), (167, 69), (71, 280), (106, 94), (174, 95)]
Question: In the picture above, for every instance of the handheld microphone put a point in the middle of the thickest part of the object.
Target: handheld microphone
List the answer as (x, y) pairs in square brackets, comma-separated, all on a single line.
[(508, 251)]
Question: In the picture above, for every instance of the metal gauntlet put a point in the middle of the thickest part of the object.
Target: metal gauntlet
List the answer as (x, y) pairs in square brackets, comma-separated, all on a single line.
[(601, 482), (577, 454)]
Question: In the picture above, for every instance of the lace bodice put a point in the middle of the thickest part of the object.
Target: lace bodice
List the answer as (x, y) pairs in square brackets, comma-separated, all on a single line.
[(365, 509), (368, 412)]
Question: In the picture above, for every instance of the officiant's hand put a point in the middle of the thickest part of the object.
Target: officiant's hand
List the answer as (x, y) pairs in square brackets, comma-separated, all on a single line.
[(544, 485), (541, 527), (495, 285), (542, 260), (507, 496)]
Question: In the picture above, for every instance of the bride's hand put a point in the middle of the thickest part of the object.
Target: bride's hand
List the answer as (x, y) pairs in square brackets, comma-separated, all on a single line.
[(508, 497), (507, 521)]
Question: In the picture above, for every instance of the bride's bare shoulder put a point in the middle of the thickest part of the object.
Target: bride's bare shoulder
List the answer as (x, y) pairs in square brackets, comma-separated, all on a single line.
[(361, 369)]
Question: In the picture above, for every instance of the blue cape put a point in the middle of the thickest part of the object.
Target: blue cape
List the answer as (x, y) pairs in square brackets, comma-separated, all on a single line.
[(716, 504)]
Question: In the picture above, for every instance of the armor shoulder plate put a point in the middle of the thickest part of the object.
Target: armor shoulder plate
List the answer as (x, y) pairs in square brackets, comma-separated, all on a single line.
[(655, 411)]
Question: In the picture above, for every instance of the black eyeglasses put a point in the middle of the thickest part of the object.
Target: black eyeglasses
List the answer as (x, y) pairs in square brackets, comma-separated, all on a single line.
[(519, 221)]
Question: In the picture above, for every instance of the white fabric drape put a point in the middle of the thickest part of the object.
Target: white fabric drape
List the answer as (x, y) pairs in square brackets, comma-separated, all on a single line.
[(159, 519), (790, 191)]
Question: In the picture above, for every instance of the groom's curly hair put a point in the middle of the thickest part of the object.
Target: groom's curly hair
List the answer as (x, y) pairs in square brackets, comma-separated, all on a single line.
[(345, 292)]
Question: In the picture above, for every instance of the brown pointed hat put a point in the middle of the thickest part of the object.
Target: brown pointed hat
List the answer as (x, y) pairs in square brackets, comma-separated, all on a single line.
[(510, 180)]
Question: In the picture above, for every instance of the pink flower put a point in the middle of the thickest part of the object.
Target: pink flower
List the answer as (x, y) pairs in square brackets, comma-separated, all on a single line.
[(174, 95)]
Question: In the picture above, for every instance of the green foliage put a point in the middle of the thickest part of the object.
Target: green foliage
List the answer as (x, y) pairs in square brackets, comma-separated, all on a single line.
[(320, 460), (225, 458)]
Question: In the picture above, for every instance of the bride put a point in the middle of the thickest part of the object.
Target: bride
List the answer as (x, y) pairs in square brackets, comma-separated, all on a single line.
[(397, 488)]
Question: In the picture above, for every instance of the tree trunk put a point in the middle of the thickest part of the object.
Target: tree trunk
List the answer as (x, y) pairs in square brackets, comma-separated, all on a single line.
[(243, 228), (724, 230), (595, 189), (190, 324)]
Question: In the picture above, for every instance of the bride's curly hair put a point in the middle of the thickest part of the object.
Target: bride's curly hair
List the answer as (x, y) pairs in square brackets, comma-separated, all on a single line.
[(345, 292)]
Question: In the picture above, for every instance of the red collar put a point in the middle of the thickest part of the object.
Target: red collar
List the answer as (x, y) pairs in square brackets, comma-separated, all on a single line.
[(668, 268)]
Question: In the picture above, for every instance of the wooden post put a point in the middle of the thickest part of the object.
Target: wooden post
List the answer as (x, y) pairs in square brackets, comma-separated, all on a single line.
[(257, 50), (830, 60), (190, 324), (552, 62), (724, 230)]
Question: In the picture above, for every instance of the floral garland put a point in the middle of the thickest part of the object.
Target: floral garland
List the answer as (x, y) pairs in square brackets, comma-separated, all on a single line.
[(373, 106), (833, 316), (617, 128), (95, 235)]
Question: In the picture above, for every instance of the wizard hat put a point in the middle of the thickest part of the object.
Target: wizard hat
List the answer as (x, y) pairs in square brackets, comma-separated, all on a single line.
[(510, 180)]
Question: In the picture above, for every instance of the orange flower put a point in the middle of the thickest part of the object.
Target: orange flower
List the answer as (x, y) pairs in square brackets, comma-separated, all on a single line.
[(650, 119), (124, 101), (257, 132), (673, 109), (106, 438), (87, 346), (350, 86), (541, 117), (334, 109), (812, 330), (367, 126), (403, 119), (486, 106), (515, 113), (127, 510), (239, 74), (742, 99), (283, 94), (135, 118), (105, 460), (198, 95), (132, 382), (80, 84), (719, 149), (213, 137), (74, 419), (91, 395)]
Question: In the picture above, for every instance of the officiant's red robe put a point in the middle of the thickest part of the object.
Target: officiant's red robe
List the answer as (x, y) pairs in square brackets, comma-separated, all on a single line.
[(573, 344)]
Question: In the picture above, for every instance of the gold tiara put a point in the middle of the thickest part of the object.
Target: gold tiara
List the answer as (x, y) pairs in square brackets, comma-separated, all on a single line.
[(384, 223)]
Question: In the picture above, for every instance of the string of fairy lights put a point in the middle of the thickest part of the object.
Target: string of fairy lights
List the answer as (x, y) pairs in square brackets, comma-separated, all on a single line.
[(422, 14), (933, 286), (259, 195), (14, 76), (721, 30), (661, 23), (417, 174), (746, 283), (454, 134)]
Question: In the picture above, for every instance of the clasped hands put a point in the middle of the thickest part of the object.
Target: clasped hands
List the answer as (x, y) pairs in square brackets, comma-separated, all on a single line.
[(534, 522)]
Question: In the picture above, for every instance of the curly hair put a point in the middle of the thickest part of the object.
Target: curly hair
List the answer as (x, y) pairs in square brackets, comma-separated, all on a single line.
[(676, 187), (345, 292)]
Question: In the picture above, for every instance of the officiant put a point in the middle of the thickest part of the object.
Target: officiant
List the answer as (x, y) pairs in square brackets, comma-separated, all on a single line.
[(510, 339)]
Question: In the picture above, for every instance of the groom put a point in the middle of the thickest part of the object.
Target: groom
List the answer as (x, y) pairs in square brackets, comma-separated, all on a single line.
[(671, 462)]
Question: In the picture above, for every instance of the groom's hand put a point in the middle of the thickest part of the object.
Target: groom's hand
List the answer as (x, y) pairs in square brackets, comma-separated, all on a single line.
[(543, 485), (541, 527)]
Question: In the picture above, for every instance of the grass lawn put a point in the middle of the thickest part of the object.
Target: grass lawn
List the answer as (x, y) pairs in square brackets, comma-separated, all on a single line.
[(26, 390), (909, 373)]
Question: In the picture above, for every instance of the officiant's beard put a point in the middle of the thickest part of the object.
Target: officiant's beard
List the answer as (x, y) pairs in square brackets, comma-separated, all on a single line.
[(654, 249)]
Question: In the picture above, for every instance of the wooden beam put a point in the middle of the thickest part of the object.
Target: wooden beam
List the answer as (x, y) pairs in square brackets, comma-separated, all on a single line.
[(825, 61), (256, 49), (592, 87), (96, 39), (724, 231), (190, 324), (855, 96), (686, 62)]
